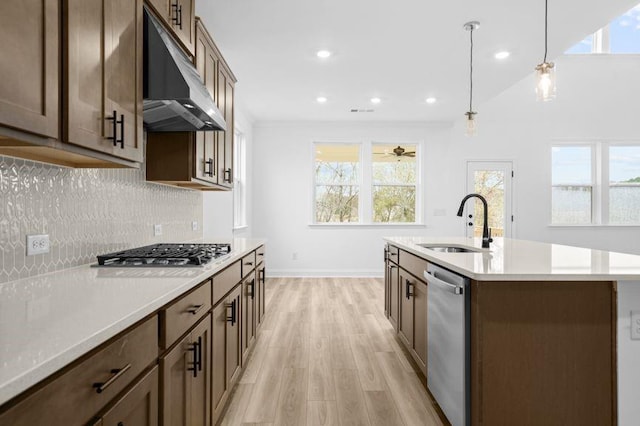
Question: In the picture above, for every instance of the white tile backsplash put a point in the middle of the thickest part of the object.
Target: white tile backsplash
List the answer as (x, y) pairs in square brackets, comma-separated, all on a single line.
[(86, 212)]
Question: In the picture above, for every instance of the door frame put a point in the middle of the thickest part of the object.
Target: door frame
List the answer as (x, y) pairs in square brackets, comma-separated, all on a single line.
[(510, 231)]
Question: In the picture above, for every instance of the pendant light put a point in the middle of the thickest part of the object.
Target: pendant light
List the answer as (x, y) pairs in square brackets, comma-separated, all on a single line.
[(471, 114), (546, 71)]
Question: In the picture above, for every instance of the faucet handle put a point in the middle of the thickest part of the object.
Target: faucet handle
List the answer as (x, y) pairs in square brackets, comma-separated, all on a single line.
[(490, 239)]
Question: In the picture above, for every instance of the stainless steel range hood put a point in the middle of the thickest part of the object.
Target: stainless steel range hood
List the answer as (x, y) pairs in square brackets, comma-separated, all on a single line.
[(175, 100)]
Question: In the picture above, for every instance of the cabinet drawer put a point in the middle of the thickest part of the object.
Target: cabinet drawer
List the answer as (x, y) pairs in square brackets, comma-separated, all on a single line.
[(226, 280), (260, 255), (73, 397), (248, 263), (393, 253), (184, 313), (413, 264)]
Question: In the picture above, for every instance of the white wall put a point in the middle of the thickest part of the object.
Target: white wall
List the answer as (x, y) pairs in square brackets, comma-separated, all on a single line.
[(596, 100), (283, 173)]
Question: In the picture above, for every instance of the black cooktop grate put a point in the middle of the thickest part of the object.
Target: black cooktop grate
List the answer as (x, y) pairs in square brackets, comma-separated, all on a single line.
[(166, 255)]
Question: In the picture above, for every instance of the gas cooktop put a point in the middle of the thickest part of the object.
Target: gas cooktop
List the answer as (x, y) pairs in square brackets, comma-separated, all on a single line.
[(166, 255)]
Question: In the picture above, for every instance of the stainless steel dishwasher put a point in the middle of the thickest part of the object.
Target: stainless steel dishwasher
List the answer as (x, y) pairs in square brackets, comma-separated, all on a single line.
[(448, 339)]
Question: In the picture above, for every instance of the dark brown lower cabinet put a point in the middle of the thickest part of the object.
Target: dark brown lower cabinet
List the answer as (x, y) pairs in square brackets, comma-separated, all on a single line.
[(248, 314), (225, 355), (186, 378), (138, 407), (260, 292), (392, 290), (412, 324)]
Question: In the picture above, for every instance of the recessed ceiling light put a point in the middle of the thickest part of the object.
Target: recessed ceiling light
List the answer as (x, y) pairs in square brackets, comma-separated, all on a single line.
[(321, 99), (502, 55), (323, 54), (431, 100), (376, 100)]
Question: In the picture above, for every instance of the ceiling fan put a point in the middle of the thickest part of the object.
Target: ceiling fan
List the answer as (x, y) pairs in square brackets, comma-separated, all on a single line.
[(398, 152)]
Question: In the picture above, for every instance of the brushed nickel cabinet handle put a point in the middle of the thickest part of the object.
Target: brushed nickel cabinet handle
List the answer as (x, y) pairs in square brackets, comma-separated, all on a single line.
[(117, 373)]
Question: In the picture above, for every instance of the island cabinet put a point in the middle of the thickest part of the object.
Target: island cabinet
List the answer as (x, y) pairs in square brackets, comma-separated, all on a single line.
[(104, 381), (412, 322), (198, 160), (391, 285), (543, 353), (71, 87)]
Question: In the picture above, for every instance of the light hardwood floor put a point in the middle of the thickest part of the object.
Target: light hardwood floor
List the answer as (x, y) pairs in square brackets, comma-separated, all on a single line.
[(326, 355)]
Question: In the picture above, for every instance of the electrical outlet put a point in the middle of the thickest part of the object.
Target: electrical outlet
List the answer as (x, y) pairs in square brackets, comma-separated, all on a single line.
[(37, 244), (294, 255), (157, 230), (194, 225), (635, 325)]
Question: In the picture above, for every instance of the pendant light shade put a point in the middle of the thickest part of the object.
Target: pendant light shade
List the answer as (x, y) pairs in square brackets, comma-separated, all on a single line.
[(471, 114), (546, 71)]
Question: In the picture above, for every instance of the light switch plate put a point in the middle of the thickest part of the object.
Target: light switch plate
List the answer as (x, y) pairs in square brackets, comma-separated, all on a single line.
[(635, 325), (157, 230), (194, 225)]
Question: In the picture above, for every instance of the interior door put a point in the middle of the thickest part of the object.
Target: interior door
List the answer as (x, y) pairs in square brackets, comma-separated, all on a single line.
[(494, 181)]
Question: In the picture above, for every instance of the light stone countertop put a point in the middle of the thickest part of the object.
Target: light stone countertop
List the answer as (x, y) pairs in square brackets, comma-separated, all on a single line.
[(520, 260), (50, 320)]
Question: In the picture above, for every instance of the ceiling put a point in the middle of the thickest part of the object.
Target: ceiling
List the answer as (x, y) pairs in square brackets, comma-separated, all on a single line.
[(401, 51)]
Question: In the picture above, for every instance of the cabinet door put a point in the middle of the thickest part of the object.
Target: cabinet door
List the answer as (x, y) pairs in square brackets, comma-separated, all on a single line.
[(420, 325), (182, 21), (161, 6), (248, 314), (207, 66), (394, 290), (137, 407), (200, 406), (405, 324), (123, 74), (218, 355), (234, 308), (104, 76), (29, 65), (225, 139), (176, 369)]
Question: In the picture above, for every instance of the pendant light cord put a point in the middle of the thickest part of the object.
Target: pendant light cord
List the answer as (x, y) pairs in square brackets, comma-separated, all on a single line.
[(545, 31), (471, 73)]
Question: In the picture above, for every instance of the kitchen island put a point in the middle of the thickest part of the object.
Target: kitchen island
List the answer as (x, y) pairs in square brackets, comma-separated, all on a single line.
[(545, 341)]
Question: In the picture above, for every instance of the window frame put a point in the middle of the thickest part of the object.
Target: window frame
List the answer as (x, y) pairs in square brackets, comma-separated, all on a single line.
[(600, 181), (365, 184), (239, 179)]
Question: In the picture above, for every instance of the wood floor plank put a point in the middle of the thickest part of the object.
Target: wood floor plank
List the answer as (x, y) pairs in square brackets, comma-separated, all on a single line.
[(371, 378), (266, 391), (292, 406), (382, 410), (250, 373), (352, 409), (237, 406), (411, 404), (377, 337), (322, 413), (341, 354), (321, 385)]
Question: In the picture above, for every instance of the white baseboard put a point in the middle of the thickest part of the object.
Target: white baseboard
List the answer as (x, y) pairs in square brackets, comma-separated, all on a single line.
[(362, 273)]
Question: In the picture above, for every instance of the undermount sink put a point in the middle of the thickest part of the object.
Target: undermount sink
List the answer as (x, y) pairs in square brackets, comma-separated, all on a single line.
[(444, 248)]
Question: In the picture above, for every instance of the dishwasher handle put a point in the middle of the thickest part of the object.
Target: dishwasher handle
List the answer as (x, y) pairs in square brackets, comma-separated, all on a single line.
[(432, 279)]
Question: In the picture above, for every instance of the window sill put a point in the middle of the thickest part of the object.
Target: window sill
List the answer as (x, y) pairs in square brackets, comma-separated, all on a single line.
[(594, 225), (367, 225)]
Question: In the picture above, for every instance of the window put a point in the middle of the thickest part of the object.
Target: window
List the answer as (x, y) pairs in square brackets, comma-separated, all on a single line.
[(394, 183), (366, 183), (597, 184), (572, 185), (337, 183), (620, 36), (239, 180), (624, 184)]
